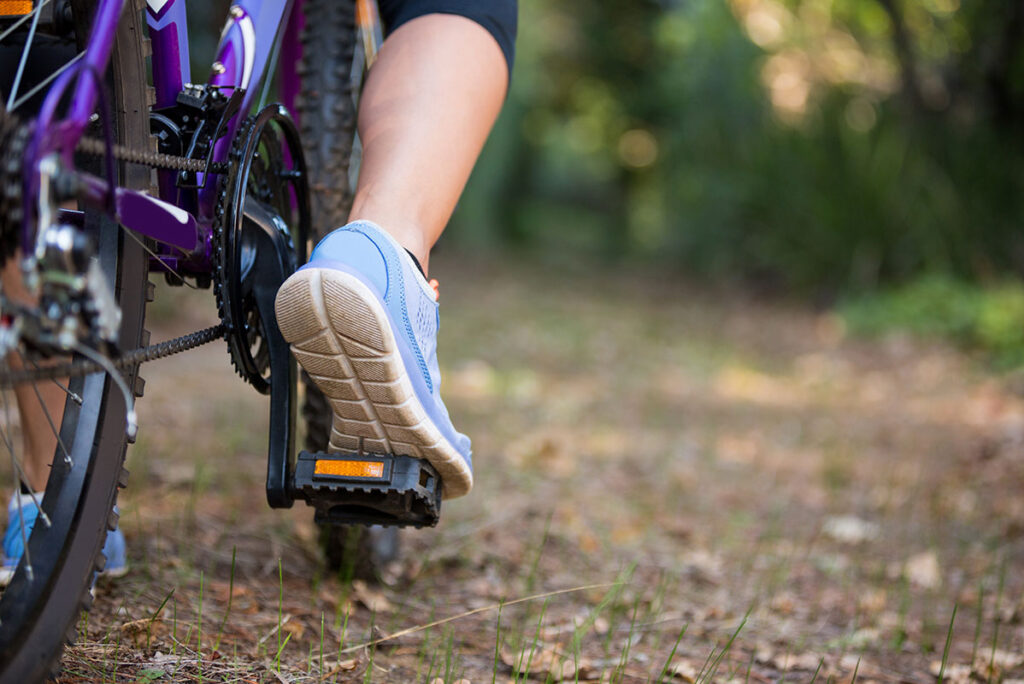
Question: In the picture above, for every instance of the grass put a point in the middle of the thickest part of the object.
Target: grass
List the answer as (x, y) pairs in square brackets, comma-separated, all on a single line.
[(231, 596), (949, 641), (978, 317), (646, 505)]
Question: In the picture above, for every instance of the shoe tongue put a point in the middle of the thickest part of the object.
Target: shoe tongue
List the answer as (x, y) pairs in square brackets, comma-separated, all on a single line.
[(417, 262)]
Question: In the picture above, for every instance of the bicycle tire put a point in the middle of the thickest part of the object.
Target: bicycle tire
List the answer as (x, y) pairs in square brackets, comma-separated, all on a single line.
[(38, 615), (326, 107)]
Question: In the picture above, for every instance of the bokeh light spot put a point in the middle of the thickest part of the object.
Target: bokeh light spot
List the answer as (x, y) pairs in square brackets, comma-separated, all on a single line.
[(860, 115), (638, 148)]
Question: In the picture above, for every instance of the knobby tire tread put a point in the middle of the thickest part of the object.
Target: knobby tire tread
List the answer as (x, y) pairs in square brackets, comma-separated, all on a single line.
[(31, 646), (327, 121)]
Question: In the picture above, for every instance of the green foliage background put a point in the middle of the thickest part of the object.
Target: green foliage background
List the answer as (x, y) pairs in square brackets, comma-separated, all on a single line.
[(818, 146)]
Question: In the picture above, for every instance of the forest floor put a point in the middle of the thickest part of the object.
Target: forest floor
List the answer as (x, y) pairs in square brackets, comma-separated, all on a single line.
[(672, 483)]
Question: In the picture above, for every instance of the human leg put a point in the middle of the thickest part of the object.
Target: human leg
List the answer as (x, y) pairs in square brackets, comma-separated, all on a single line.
[(40, 407), (430, 100), (360, 317)]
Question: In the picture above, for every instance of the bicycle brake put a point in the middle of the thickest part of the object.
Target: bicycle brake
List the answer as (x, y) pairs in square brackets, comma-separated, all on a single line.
[(369, 489)]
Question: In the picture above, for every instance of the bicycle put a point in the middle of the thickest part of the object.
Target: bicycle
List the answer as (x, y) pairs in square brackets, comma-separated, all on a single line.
[(180, 179)]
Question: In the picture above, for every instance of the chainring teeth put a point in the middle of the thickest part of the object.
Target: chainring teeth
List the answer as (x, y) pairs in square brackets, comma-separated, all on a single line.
[(244, 342)]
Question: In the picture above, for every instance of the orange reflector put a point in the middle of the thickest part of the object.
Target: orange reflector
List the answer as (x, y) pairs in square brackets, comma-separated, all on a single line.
[(13, 7), (349, 468)]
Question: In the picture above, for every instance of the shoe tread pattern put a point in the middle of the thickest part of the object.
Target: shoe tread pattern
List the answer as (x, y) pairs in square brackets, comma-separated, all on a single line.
[(340, 335)]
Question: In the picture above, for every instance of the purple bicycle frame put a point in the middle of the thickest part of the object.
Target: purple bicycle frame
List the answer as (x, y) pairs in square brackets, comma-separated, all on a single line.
[(254, 30)]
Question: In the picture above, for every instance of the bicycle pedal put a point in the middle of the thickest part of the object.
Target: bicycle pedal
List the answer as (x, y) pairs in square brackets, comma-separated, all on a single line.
[(369, 489)]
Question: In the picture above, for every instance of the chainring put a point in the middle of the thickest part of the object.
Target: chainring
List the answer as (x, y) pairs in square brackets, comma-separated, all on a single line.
[(267, 181)]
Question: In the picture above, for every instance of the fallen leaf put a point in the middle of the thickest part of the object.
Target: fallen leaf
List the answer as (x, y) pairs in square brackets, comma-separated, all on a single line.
[(796, 661), (862, 638), (849, 529), (567, 672), (991, 665), (873, 601), (954, 673), (220, 590), (375, 601), (684, 671), (787, 661), (923, 570), (540, 660), (550, 453), (784, 603), (587, 672), (295, 628), (332, 668), (141, 631)]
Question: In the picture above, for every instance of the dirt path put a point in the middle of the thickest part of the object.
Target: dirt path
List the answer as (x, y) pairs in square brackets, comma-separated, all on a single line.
[(757, 497)]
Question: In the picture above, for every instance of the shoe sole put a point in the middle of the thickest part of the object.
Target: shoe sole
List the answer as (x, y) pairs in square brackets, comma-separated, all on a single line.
[(340, 334)]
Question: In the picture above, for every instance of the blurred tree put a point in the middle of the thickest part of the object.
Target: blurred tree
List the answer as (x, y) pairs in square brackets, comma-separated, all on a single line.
[(823, 144)]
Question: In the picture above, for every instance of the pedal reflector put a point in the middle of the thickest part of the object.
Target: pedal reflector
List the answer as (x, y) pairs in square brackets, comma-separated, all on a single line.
[(368, 489), (360, 469), (11, 8)]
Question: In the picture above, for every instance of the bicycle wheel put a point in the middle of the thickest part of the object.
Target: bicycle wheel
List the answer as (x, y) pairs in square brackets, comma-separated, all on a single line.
[(39, 609), (327, 120)]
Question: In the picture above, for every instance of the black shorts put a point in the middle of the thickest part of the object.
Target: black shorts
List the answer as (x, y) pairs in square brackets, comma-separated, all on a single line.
[(499, 17)]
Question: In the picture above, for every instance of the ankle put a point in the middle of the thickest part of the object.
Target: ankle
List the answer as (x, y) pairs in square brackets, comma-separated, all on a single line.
[(411, 238), (407, 234)]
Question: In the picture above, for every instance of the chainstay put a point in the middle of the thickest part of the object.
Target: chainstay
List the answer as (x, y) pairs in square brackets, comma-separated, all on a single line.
[(82, 367), (156, 160)]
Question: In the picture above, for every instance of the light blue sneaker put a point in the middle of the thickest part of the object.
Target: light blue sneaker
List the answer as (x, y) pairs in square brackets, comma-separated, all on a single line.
[(114, 547), (362, 321)]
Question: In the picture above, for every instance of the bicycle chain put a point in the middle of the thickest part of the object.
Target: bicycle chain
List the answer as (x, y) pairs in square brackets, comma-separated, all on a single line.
[(155, 160), (13, 140), (98, 147), (75, 369)]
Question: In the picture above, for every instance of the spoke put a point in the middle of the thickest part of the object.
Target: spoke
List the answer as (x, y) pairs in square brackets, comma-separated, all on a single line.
[(73, 396), (45, 82), (20, 474), (49, 418), (13, 27), (17, 490), (132, 427), (24, 56)]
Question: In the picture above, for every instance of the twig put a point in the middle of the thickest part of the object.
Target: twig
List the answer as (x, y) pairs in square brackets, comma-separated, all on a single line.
[(477, 611), (273, 631)]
